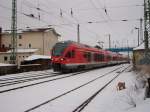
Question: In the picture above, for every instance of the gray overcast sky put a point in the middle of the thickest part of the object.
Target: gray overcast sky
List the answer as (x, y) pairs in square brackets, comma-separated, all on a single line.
[(84, 11)]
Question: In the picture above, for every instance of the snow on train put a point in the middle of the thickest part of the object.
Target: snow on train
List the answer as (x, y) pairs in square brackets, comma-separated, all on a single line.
[(71, 56)]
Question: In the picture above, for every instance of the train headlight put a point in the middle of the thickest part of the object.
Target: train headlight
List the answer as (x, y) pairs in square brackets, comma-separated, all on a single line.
[(61, 59)]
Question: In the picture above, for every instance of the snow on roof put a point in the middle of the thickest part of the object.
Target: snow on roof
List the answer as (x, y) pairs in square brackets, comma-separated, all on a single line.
[(24, 50), (8, 32), (139, 47), (4, 64), (34, 57)]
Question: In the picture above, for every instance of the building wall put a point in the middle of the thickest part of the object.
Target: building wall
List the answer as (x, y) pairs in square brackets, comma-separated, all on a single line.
[(41, 40), (30, 40), (44, 41), (2, 58), (6, 40), (139, 57), (5, 57), (49, 42)]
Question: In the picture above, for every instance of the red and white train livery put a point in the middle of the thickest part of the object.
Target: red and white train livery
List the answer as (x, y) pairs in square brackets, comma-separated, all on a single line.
[(71, 56)]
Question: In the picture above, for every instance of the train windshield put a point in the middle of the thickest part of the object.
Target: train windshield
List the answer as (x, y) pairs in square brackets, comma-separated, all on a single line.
[(59, 48)]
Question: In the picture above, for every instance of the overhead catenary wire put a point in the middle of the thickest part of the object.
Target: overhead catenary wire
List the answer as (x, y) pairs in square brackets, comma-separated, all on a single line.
[(108, 7), (103, 21), (76, 20), (95, 7), (31, 17), (67, 15), (92, 3), (19, 12), (67, 18), (48, 12)]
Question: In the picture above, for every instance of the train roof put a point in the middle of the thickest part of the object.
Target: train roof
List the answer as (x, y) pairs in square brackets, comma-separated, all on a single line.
[(78, 44)]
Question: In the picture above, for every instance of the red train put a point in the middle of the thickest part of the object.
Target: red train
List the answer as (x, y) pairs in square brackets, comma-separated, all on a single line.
[(71, 56)]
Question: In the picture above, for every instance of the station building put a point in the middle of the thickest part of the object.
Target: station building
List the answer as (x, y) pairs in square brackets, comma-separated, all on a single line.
[(37, 41)]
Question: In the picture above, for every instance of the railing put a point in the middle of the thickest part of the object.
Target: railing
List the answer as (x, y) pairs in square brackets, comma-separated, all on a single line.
[(126, 49)]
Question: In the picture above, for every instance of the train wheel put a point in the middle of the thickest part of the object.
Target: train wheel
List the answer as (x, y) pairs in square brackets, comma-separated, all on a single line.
[(81, 67), (65, 71), (74, 70)]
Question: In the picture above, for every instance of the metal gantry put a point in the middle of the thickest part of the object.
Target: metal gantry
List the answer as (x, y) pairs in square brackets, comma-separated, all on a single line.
[(14, 32), (146, 23)]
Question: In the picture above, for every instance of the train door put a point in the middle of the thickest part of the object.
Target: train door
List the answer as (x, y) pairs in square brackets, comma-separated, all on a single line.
[(87, 56), (70, 56)]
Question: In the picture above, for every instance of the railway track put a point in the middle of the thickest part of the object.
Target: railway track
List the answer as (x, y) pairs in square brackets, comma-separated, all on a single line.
[(23, 76), (87, 101), (37, 83), (87, 83), (26, 79)]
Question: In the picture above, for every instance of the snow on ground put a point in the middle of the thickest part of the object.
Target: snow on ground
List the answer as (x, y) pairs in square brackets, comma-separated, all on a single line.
[(144, 106), (109, 100), (28, 97), (70, 101), (25, 74)]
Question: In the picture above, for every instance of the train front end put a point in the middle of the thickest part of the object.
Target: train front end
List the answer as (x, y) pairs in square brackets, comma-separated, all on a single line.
[(58, 59)]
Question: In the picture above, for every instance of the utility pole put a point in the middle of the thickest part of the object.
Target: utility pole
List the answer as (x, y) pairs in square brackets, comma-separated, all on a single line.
[(78, 33), (13, 32), (146, 23), (138, 35), (128, 50), (141, 31), (109, 41)]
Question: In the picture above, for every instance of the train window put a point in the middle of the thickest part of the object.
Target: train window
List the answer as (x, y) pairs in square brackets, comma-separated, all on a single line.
[(96, 57), (89, 56), (73, 54), (114, 58), (85, 55), (109, 57), (68, 55), (59, 48), (101, 57)]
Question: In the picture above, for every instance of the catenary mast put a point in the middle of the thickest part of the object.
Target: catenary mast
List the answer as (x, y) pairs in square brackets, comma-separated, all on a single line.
[(14, 32), (146, 23)]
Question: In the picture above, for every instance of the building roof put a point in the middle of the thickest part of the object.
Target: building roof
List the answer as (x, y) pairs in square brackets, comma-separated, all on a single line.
[(35, 57), (41, 30), (140, 47), (23, 51), (4, 64), (7, 32)]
